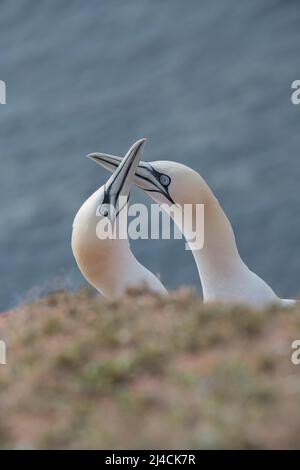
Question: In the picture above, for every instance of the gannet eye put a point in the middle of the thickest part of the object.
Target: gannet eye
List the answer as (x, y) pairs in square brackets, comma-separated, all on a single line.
[(164, 180), (103, 210)]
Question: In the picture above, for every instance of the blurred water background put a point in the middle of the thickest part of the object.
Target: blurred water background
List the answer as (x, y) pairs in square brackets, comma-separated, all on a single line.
[(207, 82)]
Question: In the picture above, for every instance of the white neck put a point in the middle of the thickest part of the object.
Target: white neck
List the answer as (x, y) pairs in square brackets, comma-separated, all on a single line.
[(118, 270), (219, 258), (109, 265), (223, 274)]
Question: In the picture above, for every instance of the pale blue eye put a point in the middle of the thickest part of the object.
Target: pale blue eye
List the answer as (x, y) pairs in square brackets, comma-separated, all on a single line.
[(104, 211), (164, 180)]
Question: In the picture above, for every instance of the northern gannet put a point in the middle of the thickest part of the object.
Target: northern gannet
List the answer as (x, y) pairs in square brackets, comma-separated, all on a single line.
[(108, 263), (223, 274)]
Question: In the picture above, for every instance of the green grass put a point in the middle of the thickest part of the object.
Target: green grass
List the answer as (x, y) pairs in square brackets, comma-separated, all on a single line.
[(148, 372)]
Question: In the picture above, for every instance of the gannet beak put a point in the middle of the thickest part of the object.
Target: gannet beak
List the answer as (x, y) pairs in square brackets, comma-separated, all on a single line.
[(110, 162), (121, 181), (146, 177)]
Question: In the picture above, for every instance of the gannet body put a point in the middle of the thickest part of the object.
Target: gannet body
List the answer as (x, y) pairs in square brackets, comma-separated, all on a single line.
[(108, 263), (223, 274)]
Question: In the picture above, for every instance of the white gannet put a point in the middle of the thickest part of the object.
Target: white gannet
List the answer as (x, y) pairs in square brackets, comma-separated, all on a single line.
[(223, 274), (108, 263)]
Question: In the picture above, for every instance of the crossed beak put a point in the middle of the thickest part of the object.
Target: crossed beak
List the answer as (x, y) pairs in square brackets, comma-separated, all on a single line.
[(145, 178), (120, 183)]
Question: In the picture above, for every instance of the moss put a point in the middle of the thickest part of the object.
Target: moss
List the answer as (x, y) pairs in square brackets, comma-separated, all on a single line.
[(86, 373)]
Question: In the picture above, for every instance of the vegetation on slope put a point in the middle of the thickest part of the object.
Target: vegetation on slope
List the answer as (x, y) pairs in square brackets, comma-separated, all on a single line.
[(148, 372)]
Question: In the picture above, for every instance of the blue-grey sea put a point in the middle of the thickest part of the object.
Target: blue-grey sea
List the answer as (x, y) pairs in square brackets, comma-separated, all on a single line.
[(207, 82)]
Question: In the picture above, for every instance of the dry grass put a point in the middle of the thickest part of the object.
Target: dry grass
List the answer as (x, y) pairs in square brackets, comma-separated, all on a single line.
[(148, 373)]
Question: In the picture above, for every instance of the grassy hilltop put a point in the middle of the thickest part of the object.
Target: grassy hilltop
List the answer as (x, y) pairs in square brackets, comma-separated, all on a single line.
[(148, 372)]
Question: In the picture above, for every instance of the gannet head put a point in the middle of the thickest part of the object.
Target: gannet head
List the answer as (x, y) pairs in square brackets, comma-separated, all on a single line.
[(106, 202), (166, 182), (92, 245), (113, 196)]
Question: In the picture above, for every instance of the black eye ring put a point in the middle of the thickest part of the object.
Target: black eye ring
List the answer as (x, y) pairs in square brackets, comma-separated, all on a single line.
[(165, 180), (104, 211)]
